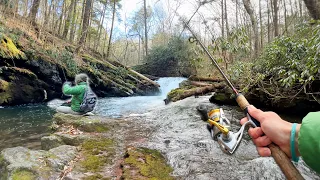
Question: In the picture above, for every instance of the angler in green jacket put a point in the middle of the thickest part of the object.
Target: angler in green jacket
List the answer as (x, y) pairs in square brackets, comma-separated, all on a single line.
[(294, 139), (77, 92)]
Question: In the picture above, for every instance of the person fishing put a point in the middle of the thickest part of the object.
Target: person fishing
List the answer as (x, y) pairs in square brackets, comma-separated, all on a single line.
[(292, 138), (83, 99)]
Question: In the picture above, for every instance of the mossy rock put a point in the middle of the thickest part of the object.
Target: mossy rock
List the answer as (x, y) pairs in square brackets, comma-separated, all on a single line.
[(223, 98), (8, 49), (49, 142), (96, 177), (97, 153), (144, 163), (83, 123), (20, 85), (24, 175)]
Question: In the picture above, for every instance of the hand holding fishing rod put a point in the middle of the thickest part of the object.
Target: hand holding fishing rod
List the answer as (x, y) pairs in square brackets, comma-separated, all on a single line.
[(231, 140)]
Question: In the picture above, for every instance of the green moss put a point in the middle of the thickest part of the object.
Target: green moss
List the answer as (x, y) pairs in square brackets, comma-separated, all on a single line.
[(96, 177), (150, 164), (8, 49), (220, 97), (97, 153), (93, 162), (101, 129), (2, 161), (23, 175), (175, 92), (6, 94)]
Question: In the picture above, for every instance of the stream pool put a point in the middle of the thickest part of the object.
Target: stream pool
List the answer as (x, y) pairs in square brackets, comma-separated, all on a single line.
[(25, 125)]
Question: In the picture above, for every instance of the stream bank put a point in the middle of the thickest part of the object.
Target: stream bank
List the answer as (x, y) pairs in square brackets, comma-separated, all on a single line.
[(175, 130)]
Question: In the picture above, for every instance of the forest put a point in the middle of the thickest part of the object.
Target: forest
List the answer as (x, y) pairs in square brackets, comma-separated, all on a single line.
[(143, 62), (270, 49)]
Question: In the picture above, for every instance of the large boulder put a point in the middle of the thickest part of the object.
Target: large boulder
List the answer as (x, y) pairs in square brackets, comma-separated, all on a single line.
[(18, 86), (19, 162)]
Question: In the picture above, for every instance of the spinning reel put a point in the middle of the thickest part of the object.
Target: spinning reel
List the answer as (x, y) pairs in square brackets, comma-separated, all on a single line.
[(219, 129)]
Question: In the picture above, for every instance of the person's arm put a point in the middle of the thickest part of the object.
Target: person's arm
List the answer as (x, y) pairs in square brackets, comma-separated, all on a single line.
[(69, 90), (309, 140), (276, 130)]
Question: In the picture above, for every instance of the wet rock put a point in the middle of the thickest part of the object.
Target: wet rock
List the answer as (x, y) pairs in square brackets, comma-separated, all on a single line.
[(194, 155), (83, 123), (19, 162), (60, 156), (73, 140), (49, 142), (19, 85)]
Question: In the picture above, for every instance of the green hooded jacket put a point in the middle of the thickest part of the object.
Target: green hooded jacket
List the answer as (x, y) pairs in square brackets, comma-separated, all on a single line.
[(309, 140), (77, 93)]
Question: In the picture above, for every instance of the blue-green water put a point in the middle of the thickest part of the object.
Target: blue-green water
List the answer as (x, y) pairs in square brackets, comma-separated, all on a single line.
[(24, 125)]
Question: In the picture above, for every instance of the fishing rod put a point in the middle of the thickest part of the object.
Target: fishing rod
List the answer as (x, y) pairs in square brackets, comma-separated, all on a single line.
[(230, 141)]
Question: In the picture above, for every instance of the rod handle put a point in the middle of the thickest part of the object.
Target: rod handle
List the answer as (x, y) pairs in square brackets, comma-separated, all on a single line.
[(243, 104), (285, 164)]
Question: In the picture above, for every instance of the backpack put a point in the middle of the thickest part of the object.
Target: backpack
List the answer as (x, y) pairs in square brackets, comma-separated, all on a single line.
[(89, 101)]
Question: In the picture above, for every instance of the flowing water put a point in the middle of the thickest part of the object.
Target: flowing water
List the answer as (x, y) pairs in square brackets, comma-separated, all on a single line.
[(25, 125)]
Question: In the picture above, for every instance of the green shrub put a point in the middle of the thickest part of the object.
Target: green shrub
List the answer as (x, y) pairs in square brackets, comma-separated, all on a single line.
[(293, 60)]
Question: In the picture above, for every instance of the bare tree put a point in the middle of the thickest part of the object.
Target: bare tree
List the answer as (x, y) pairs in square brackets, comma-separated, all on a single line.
[(275, 18), (261, 27), (68, 19), (85, 24), (145, 27), (313, 8), (111, 30), (34, 11), (249, 9)]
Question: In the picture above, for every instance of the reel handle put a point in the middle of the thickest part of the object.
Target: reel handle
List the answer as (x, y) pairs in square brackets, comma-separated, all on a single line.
[(243, 103)]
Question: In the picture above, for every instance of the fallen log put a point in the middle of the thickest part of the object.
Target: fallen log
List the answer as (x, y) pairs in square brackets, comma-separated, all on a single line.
[(199, 84), (137, 74), (179, 94), (212, 79)]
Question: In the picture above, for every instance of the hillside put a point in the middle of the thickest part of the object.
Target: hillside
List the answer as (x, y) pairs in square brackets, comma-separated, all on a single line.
[(35, 63)]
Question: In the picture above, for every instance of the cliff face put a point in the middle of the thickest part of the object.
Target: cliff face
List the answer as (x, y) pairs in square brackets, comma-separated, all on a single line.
[(34, 65)]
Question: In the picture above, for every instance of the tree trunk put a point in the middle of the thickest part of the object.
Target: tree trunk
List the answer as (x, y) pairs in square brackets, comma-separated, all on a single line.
[(313, 8), (275, 18), (269, 28), (62, 16), (211, 79), (145, 28), (237, 12), (176, 96), (285, 18), (222, 19), (68, 20), (82, 14), (261, 28), (46, 14), (226, 17), (100, 27), (34, 11), (73, 24), (85, 24), (249, 9), (111, 30), (26, 4)]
